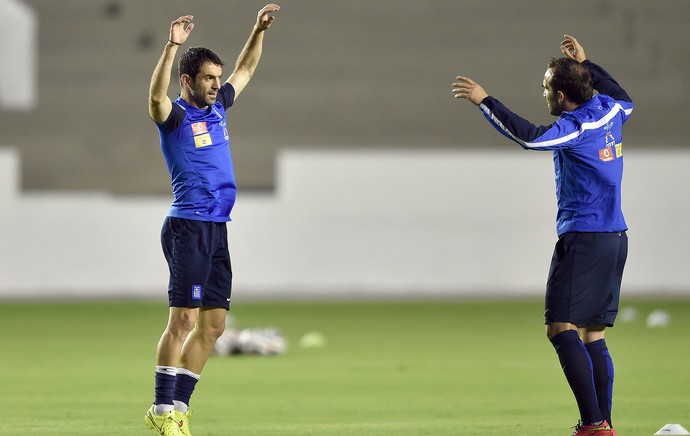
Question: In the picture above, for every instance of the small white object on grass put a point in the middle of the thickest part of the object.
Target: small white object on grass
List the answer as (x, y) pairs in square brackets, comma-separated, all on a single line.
[(627, 314), (672, 429), (312, 340), (658, 318)]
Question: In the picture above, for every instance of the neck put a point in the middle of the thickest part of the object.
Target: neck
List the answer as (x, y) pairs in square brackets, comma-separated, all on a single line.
[(192, 101), (570, 106)]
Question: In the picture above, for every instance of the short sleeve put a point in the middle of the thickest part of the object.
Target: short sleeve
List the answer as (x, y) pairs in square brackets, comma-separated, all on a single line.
[(175, 118), (226, 95)]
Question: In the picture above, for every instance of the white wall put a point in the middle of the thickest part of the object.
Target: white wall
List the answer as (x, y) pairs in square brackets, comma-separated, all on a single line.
[(18, 50), (350, 223)]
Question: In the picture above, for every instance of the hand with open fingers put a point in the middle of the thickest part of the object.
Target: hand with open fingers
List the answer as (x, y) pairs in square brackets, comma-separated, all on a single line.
[(264, 19), (180, 29), (572, 49), (469, 89)]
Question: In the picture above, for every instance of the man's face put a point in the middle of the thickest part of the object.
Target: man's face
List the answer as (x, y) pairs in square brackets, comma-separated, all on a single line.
[(554, 99), (203, 89)]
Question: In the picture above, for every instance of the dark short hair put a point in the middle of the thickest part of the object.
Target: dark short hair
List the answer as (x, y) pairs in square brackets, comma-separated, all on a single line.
[(192, 59), (572, 79)]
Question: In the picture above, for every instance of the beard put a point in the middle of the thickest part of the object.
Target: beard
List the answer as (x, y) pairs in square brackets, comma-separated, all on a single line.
[(202, 100), (555, 108)]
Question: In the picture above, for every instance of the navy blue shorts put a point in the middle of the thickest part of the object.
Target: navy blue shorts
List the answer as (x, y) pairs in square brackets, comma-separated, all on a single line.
[(199, 263), (585, 278)]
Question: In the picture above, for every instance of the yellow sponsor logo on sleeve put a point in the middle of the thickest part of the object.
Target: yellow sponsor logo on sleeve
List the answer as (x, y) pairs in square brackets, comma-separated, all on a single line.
[(202, 140), (619, 149)]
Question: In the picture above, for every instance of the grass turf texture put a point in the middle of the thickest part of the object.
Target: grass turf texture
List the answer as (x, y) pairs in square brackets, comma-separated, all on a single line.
[(410, 368)]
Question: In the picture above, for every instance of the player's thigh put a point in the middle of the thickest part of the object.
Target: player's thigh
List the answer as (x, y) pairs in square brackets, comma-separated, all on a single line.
[(219, 285), (558, 296), (584, 280), (190, 259)]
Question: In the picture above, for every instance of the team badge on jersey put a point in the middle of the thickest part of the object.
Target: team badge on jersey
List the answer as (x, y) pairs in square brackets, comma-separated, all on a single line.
[(612, 150), (202, 137), (610, 153), (196, 292), (199, 128), (202, 140), (224, 125), (606, 154)]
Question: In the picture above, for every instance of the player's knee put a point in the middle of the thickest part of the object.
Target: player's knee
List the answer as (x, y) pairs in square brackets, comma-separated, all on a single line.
[(182, 322), (211, 331), (552, 329), (593, 333), (211, 324)]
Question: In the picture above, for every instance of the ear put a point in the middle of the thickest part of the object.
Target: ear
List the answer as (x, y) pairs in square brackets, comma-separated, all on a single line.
[(185, 80), (561, 97)]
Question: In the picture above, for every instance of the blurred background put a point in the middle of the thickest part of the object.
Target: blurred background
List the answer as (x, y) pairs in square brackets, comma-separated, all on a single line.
[(359, 174)]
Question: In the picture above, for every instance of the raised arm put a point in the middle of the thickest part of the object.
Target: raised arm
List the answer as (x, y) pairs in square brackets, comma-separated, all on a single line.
[(509, 124), (469, 89), (601, 80), (251, 53), (159, 102)]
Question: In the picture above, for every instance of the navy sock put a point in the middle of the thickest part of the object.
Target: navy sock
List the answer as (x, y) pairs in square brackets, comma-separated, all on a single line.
[(577, 368), (165, 383), (602, 364), (184, 385)]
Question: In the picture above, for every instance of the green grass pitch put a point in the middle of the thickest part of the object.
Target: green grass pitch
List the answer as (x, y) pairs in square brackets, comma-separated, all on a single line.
[(408, 368)]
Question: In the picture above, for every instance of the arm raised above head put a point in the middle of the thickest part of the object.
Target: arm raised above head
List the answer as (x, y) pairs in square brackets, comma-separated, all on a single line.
[(159, 102), (573, 49), (251, 53), (601, 80)]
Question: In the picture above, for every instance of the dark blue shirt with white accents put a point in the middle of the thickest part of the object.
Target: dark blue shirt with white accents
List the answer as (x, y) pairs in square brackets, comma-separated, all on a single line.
[(196, 146), (587, 152)]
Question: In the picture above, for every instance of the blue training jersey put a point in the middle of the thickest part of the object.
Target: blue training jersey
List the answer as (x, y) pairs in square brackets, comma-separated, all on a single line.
[(587, 152), (196, 146)]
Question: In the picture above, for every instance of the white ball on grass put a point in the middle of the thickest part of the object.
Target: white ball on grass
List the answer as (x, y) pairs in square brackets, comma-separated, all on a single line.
[(658, 318), (312, 340)]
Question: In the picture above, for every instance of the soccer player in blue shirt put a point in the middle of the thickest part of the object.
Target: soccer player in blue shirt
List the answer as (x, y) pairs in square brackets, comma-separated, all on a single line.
[(583, 286), (195, 143)]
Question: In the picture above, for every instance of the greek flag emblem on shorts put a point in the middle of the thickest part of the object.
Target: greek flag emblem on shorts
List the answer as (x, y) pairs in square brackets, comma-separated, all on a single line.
[(196, 292)]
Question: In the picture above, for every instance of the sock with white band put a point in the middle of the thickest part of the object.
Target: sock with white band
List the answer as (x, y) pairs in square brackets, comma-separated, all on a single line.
[(185, 381), (164, 388)]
